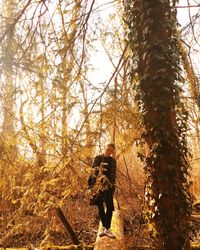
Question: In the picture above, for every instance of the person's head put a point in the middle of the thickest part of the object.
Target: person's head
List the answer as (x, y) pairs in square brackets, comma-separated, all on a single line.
[(110, 149)]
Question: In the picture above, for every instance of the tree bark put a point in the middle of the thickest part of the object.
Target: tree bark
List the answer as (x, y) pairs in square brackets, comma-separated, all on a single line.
[(9, 50)]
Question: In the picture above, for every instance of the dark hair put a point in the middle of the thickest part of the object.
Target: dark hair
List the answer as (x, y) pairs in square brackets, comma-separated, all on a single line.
[(111, 144)]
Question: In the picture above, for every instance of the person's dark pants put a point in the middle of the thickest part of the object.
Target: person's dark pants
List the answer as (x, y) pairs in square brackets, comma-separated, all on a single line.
[(106, 197)]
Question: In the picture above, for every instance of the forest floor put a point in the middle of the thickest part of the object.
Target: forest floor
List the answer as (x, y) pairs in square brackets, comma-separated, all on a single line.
[(36, 231)]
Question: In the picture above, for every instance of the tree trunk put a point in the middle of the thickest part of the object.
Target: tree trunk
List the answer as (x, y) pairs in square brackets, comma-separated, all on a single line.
[(193, 83), (67, 55), (191, 76), (152, 27), (8, 50), (89, 137), (43, 139)]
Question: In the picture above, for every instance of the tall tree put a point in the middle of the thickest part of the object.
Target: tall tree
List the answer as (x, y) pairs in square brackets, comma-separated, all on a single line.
[(8, 50), (70, 22), (152, 36)]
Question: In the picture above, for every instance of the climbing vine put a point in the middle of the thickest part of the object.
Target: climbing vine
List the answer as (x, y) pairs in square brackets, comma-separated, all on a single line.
[(151, 33)]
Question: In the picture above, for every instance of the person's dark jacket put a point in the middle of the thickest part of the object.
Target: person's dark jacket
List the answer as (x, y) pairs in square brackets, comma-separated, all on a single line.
[(103, 166)]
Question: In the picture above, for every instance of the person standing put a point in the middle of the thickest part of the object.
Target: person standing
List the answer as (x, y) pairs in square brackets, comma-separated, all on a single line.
[(101, 184)]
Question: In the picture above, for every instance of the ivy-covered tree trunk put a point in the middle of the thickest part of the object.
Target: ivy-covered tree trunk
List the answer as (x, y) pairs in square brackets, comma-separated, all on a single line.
[(152, 26)]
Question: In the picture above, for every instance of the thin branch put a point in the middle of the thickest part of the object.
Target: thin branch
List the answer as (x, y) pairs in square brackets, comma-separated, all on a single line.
[(189, 6), (190, 16)]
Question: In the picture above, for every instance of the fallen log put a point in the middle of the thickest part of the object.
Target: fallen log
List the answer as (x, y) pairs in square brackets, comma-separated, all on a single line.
[(70, 247), (117, 227), (68, 227)]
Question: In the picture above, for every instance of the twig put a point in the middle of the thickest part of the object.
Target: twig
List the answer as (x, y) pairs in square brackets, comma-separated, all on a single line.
[(189, 6)]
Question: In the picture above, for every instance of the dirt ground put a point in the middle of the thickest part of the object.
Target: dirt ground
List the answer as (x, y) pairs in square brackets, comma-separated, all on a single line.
[(35, 231)]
